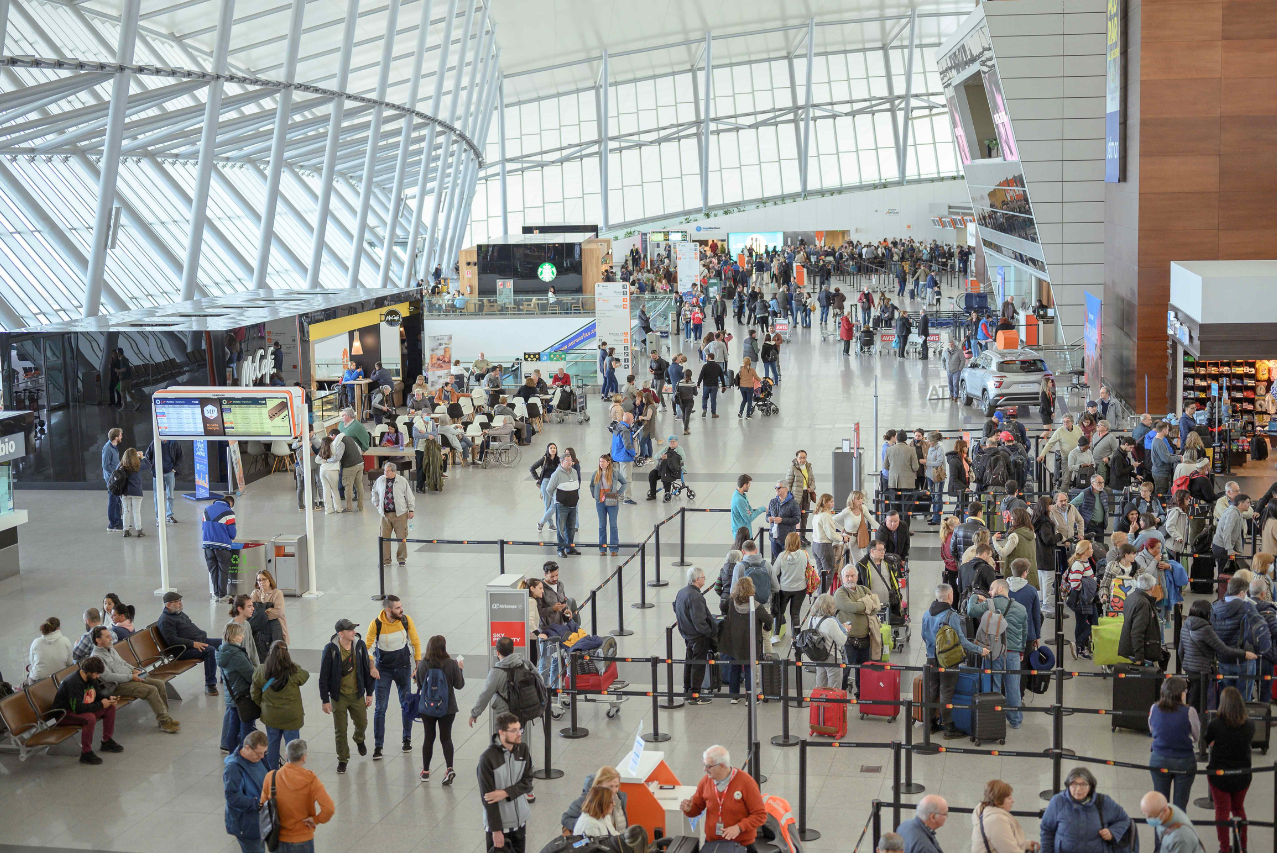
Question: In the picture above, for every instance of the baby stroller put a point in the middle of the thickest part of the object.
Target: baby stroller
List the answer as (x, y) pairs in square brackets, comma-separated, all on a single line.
[(764, 402)]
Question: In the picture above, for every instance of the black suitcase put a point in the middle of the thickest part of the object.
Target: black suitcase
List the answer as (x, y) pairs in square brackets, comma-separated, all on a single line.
[(682, 844), (1257, 711), (1133, 697), (988, 718), (1201, 575), (770, 667)]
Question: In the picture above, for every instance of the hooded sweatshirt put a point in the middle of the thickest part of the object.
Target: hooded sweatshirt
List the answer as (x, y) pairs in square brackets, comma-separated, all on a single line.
[(494, 686), (508, 770), (789, 571), (297, 791), (49, 653)]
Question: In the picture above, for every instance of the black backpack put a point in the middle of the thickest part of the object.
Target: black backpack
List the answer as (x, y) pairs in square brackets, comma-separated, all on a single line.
[(997, 471), (118, 483), (524, 693), (812, 644)]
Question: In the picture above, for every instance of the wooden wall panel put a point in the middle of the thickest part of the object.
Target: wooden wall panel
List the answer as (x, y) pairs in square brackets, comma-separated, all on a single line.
[(1172, 135), (1249, 19), (1190, 174), (1179, 211), (1180, 97), (1248, 96), (1179, 60), (1180, 20)]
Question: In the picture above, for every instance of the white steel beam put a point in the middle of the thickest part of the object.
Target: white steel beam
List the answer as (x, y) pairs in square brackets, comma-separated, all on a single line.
[(486, 125), (505, 206), (891, 91), (604, 102), (806, 147), (219, 237), (264, 236), (466, 124), (96, 271), (470, 166), (707, 112), (908, 106)]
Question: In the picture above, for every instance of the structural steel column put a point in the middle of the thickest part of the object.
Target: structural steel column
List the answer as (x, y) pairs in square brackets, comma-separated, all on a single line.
[(470, 173), (505, 207), (891, 91), (427, 153), (116, 114), (806, 149), (374, 141), (405, 143), (603, 139), (208, 146), (432, 235), (276, 165), (4, 26), (904, 130), (330, 147), (708, 94), (465, 124), (467, 159), (482, 137)]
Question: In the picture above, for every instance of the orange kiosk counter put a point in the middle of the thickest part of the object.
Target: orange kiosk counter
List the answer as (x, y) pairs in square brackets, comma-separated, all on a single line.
[(652, 797)]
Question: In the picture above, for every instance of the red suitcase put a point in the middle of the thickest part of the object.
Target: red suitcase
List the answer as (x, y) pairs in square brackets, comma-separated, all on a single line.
[(828, 719), (881, 683)]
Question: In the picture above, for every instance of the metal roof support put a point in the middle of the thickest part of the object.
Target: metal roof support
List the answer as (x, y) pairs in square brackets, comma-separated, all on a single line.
[(19, 102), (474, 170), (505, 205), (707, 113), (333, 219), (219, 237), (4, 25), (427, 153), (374, 139), (204, 168), (261, 267), (441, 170), (604, 104), (811, 58), (891, 90), (908, 106), (470, 166), (405, 142), (465, 124), (250, 213), (96, 270)]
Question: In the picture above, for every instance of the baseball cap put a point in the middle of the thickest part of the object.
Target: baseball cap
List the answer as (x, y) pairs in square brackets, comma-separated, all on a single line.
[(170, 597), (998, 416), (1006, 436), (345, 625)]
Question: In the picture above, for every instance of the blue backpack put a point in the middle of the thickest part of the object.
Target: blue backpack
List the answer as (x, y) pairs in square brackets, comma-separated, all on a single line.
[(433, 701)]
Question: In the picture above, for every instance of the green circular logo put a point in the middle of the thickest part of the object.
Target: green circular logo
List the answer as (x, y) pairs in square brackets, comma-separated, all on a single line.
[(547, 272)]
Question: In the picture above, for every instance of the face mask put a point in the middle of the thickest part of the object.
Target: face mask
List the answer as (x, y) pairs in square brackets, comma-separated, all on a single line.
[(1154, 822)]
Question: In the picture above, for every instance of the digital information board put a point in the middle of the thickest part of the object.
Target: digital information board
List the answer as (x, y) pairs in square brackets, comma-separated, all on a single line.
[(243, 416)]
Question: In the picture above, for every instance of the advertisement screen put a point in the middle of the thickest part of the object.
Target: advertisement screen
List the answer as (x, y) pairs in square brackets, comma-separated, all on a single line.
[(737, 241), (260, 417), (1113, 94)]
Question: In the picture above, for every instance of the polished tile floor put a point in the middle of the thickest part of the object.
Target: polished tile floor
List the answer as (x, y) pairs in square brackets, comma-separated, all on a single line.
[(164, 792)]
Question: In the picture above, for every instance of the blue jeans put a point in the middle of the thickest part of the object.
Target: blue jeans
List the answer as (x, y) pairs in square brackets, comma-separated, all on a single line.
[(234, 730), (1231, 671), (607, 523), (250, 845), (687, 329), (735, 671), (746, 402), (548, 498), (296, 847), (548, 665), (170, 483), (770, 371), (1183, 781), (937, 497), (955, 384), (209, 656), (710, 393), (645, 446), (273, 738), (401, 676), (565, 517), (824, 314), (1008, 684), (114, 512)]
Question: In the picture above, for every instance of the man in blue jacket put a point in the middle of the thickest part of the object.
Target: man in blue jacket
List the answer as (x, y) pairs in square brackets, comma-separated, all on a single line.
[(783, 515), (219, 541), (111, 461), (1164, 459), (1240, 626), (623, 450), (346, 687), (243, 773), (1186, 423), (743, 514), (942, 686)]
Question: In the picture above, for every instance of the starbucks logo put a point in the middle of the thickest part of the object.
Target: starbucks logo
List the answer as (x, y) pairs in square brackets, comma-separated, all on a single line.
[(546, 272)]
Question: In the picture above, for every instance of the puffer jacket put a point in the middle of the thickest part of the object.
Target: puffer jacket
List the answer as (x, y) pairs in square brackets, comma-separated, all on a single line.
[(1017, 618), (1268, 611), (1069, 826), (281, 704), (957, 477), (1141, 638), (237, 672), (242, 784), (1201, 647), (1239, 624)]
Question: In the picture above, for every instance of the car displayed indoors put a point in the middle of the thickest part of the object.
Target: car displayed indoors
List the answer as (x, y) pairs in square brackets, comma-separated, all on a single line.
[(999, 378)]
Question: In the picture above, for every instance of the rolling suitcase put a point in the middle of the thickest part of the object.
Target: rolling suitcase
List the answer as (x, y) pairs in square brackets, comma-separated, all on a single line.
[(1257, 711), (882, 684), (1132, 697), (828, 719), (964, 694), (1201, 575), (988, 717), (917, 699), (770, 667)]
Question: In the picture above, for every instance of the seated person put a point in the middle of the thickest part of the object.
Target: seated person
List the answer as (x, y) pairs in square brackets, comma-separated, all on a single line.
[(669, 468), (561, 379), (177, 629), (452, 436), (392, 437), (81, 696), (445, 394), (123, 679), (542, 388), (419, 401), (503, 433)]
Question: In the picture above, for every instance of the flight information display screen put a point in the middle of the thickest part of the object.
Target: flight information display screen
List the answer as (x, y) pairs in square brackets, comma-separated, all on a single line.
[(258, 417)]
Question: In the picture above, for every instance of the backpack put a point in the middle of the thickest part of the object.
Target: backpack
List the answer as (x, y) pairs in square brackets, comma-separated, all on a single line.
[(118, 483), (992, 632), (813, 644), (433, 701), (949, 650), (524, 693), (996, 472)]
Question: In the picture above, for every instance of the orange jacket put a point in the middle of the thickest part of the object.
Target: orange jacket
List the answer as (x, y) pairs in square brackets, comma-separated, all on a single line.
[(297, 790), (742, 806)]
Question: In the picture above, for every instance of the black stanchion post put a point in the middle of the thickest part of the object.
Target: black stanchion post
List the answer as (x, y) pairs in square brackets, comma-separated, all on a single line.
[(656, 538), (784, 738), (876, 812), (620, 630), (1177, 622), (1057, 749), (501, 557), (909, 786), (670, 702), (381, 573), (655, 735), (682, 539), (594, 612), (643, 603), (573, 731), (895, 783), (927, 747), (798, 700), (804, 832), (547, 771)]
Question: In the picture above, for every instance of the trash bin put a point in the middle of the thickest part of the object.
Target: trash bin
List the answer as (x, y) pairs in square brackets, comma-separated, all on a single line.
[(292, 571), (247, 559)]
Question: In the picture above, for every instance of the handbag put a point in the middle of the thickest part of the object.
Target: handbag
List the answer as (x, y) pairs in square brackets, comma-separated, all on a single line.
[(811, 576), (248, 710), (268, 818)]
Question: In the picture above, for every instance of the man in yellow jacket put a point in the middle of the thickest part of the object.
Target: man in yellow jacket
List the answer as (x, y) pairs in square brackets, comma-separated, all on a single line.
[(390, 635)]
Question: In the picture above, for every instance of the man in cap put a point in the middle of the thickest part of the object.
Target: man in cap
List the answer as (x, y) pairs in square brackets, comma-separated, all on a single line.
[(346, 687), (177, 629)]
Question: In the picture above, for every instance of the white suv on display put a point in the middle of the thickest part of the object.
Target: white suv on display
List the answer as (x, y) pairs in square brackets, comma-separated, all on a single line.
[(1000, 378)]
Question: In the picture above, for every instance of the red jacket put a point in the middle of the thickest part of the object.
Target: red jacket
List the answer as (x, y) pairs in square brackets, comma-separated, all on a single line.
[(844, 328), (742, 806)]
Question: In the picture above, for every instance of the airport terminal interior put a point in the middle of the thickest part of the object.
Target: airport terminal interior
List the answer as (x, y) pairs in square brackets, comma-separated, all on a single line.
[(940, 332)]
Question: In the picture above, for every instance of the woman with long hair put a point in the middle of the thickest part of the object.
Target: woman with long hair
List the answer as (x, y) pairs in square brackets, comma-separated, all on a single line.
[(789, 578), (993, 828), (122, 621), (605, 777), (436, 673), (607, 486), (1046, 401), (1229, 737), (1175, 727), (935, 470), (277, 689), (542, 470), (596, 820), (1080, 590), (824, 533), (747, 379), (330, 472), (267, 593), (958, 461), (733, 638), (131, 461), (948, 524), (854, 520)]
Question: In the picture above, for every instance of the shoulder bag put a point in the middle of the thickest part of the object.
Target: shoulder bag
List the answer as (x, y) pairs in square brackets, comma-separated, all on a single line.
[(248, 710), (268, 818)]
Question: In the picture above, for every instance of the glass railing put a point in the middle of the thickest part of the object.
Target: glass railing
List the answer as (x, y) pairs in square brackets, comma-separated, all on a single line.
[(515, 306)]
